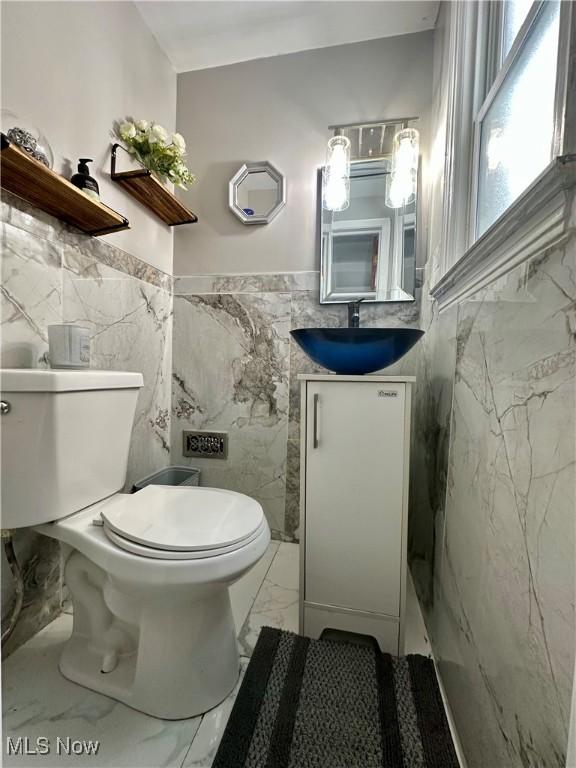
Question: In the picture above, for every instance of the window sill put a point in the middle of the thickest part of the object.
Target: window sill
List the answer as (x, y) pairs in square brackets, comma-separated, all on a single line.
[(539, 219)]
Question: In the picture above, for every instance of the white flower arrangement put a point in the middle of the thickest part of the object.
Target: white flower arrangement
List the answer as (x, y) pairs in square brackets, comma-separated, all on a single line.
[(157, 150)]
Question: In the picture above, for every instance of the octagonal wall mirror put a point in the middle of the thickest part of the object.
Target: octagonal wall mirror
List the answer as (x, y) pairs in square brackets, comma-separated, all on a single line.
[(257, 193)]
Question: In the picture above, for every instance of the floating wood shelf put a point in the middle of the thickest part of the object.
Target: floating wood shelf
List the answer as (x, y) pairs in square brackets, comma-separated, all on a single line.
[(146, 188), (31, 180)]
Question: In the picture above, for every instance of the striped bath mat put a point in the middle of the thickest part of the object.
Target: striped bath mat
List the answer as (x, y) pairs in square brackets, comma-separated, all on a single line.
[(323, 704)]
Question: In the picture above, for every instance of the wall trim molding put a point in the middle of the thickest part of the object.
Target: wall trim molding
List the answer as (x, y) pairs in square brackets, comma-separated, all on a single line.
[(538, 220), (247, 282), (18, 213)]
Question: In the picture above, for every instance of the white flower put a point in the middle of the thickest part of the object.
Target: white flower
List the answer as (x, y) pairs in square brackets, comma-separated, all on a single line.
[(127, 130), (157, 134), (178, 141), (142, 125)]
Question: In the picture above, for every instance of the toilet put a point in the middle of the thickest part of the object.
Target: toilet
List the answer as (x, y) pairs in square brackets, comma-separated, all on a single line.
[(148, 573)]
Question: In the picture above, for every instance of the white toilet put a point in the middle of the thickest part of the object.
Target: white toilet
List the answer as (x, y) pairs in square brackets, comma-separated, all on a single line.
[(148, 572)]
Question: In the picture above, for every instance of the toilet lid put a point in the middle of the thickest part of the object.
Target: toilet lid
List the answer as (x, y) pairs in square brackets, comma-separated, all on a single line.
[(170, 554), (188, 519)]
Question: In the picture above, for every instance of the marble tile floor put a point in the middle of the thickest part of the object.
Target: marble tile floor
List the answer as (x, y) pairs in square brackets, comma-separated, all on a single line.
[(38, 701)]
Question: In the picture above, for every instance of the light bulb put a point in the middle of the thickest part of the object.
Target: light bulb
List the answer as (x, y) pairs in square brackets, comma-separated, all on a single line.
[(336, 194), (336, 175), (404, 176), (401, 191)]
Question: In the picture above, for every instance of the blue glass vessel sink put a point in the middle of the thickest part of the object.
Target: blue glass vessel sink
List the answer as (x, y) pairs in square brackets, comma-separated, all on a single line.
[(356, 351)]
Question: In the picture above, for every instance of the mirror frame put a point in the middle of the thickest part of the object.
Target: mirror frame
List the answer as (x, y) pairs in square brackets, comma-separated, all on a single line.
[(259, 167)]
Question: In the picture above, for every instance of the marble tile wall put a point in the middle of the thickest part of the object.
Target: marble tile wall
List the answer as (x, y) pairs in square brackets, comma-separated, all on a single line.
[(235, 369), (230, 373), (52, 273), (131, 329), (492, 526), (431, 419)]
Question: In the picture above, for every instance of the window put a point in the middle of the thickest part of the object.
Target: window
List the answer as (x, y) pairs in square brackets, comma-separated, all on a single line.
[(515, 123), (514, 15), (505, 101)]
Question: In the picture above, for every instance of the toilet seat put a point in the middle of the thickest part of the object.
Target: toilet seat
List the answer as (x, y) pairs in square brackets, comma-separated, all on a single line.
[(176, 523), (164, 554)]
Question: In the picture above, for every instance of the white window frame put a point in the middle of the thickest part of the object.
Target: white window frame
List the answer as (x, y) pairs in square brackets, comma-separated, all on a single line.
[(467, 21), (476, 34), (497, 68)]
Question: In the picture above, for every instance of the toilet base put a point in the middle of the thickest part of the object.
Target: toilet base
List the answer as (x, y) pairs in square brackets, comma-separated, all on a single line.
[(170, 653)]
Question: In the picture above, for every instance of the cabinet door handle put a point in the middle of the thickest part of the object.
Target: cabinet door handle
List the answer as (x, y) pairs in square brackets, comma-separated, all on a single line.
[(315, 435)]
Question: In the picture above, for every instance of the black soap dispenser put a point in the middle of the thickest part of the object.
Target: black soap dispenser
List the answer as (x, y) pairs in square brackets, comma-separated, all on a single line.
[(84, 181)]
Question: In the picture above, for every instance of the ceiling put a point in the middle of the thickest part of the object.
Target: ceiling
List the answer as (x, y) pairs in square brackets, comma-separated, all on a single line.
[(211, 33)]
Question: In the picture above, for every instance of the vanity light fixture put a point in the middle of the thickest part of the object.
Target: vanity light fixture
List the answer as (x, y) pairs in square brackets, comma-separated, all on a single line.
[(336, 175), (404, 175)]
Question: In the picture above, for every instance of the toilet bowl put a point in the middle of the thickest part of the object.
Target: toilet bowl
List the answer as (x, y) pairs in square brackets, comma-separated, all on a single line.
[(148, 573)]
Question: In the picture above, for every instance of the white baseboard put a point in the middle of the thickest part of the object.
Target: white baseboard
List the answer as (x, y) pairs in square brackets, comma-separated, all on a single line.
[(451, 723)]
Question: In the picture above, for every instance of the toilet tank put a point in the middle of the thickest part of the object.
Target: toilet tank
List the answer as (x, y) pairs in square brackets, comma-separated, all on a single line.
[(65, 437)]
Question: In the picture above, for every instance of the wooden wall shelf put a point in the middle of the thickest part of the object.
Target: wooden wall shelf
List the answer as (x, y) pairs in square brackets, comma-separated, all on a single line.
[(146, 188), (34, 182)]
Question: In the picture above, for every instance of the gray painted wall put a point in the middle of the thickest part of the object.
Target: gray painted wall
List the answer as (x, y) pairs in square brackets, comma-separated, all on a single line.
[(279, 109), (71, 69)]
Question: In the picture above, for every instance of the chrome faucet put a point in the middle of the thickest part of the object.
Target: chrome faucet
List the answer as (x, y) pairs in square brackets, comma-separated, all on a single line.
[(354, 313)]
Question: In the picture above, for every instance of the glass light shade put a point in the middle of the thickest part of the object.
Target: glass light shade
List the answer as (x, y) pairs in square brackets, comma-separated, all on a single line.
[(336, 175), (404, 176)]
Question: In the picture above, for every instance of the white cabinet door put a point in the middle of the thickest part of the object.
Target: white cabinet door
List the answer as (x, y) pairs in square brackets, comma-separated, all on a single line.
[(354, 487)]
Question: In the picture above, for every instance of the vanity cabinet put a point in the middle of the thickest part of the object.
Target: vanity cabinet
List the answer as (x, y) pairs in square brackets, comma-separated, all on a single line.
[(355, 442)]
